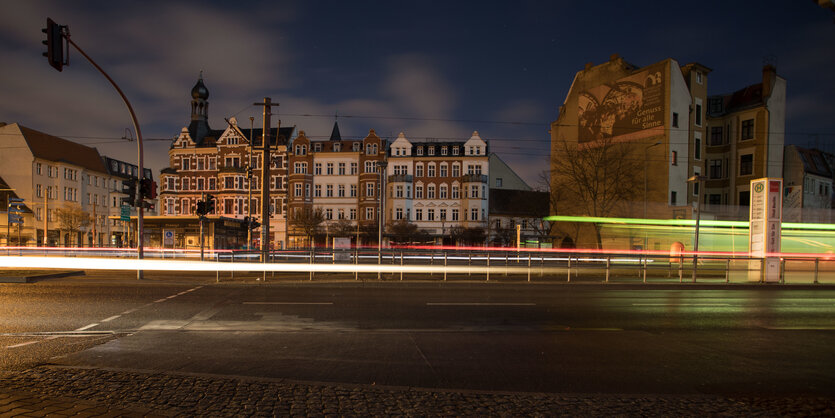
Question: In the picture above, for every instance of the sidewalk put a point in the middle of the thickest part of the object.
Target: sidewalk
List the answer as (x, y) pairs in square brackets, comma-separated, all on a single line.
[(62, 391)]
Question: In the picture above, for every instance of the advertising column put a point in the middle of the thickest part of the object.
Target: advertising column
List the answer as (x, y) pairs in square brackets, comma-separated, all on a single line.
[(765, 229)]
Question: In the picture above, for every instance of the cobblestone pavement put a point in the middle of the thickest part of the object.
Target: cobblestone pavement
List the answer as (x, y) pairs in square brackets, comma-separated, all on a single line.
[(60, 391)]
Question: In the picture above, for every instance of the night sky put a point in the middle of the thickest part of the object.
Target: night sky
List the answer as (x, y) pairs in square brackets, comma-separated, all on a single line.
[(430, 69)]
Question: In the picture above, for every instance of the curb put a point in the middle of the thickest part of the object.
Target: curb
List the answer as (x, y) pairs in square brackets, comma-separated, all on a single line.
[(36, 277)]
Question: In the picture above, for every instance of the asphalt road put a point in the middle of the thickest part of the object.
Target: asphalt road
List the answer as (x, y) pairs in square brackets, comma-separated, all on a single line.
[(508, 337)]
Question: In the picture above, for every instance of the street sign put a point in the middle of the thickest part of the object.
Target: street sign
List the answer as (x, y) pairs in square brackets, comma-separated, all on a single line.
[(168, 238), (15, 218), (125, 213), (766, 218)]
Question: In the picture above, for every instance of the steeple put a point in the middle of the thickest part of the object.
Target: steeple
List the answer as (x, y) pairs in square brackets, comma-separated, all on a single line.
[(199, 126), (335, 136)]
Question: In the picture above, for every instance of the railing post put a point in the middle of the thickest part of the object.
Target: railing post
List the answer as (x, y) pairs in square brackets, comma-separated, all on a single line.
[(488, 266), (401, 266), (529, 267), (608, 266), (470, 264), (445, 265), (728, 271), (357, 263), (645, 268), (217, 268), (681, 269), (232, 271), (432, 263), (312, 256), (568, 278), (506, 262), (816, 270), (541, 265), (782, 271)]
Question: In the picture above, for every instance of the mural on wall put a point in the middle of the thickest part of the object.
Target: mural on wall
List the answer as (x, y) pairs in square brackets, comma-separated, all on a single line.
[(630, 108)]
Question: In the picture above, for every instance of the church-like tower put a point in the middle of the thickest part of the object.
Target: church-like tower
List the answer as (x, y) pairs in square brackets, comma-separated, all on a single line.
[(199, 126)]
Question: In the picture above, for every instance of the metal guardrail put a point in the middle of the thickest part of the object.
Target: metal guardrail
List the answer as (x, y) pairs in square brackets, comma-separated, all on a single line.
[(492, 265)]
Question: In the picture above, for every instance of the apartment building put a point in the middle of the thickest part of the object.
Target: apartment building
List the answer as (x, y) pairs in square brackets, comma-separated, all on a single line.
[(438, 185)]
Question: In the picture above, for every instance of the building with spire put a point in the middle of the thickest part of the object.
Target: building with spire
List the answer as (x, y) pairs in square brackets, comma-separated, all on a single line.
[(224, 163)]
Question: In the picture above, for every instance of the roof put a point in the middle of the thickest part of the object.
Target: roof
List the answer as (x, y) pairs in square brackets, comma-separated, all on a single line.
[(335, 136), (52, 148), (6, 194), (283, 137), (814, 161), (525, 203), (745, 98)]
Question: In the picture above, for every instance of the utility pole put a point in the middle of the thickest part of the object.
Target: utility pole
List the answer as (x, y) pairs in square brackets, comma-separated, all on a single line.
[(249, 189), (265, 175)]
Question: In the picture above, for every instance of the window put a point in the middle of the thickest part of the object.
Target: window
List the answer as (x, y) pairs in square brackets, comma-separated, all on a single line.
[(474, 214), (317, 147), (747, 129), (699, 77), (697, 146), (330, 169), (317, 190), (444, 150), (38, 168), (340, 191), (418, 170), (746, 164), (715, 169), (443, 191), (455, 150), (329, 190), (369, 213), (300, 168), (418, 214), (419, 150), (398, 191), (419, 191), (371, 149), (341, 214), (307, 190), (430, 191), (474, 191), (317, 169), (369, 189), (336, 148), (297, 190), (370, 166), (716, 135), (715, 199), (698, 112), (341, 171), (430, 214), (398, 214), (456, 169), (474, 169), (443, 169), (213, 163), (673, 198), (355, 147), (455, 214), (442, 214), (328, 213), (430, 170), (455, 192), (187, 164), (674, 158), (353, 168), (200, 163), (38, 191), (353, 213), (675, 120), (430, 150), (353, 190)]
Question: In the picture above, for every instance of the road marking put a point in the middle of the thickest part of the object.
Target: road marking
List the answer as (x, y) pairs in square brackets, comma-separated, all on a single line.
[(160, 300), (111, 318), (21, 344), (479, 304), (87, 327), (288, 303), (681, 304)]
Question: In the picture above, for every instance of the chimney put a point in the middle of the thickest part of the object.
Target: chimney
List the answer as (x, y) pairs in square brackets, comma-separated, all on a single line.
[(769, 77), (589, 65)]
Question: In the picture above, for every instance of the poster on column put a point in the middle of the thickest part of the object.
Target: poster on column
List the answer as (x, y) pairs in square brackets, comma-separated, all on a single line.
[(766, 216)]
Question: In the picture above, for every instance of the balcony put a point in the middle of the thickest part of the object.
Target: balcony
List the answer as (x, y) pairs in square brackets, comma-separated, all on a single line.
[(474, 178), (400, 178)]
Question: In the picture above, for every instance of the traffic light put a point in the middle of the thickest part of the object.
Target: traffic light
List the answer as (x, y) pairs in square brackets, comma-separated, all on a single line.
[(210, 203), (148, 188), (129, 188), (201, 207), (54, 44), (148, 205), (253, 223)]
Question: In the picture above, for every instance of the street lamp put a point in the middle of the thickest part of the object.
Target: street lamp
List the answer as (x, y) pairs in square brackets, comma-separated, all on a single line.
[(381, 168), (697, 180)]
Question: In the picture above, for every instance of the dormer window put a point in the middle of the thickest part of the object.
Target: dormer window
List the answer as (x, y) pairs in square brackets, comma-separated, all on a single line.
[(431, 150), (444, 150), (337, 147), (419, 150), (455, 150), (356, 147), (317, 147)]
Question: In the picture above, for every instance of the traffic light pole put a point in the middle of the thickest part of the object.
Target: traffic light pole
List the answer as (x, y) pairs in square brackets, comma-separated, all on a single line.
[(139, 206)]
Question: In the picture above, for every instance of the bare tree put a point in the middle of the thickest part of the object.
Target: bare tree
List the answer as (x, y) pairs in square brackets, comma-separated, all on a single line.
[(71, 219), (597, 179), (307, 222), (343, 228)]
